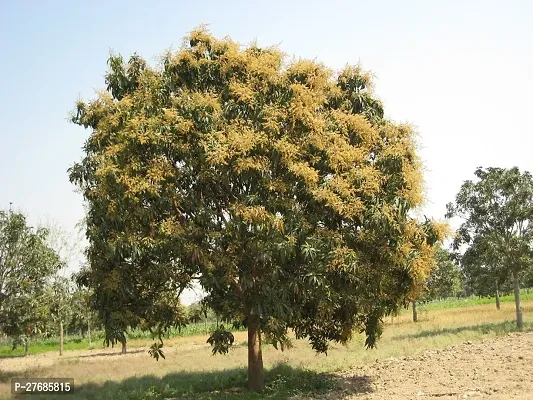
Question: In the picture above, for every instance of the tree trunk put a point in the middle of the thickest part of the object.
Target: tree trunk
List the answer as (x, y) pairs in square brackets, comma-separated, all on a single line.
[(256, 379), (89, 331), (415, 314), (497, 297), (124, 347), (519, 321), (60, 338), (26, 340)]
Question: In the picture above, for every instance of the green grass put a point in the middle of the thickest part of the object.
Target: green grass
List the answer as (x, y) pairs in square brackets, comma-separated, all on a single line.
[(496, 329), (525, 295), (281, 382), (46, 345), (189, 330), (77, 342)]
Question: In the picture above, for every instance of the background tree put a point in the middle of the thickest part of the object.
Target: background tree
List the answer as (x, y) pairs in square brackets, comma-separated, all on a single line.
[(483, 270), (60, 303), (26, 263), (112, 307), (83, 317), (280, 187), (445, 279), (497, 210), (23, 317), (69, 247)]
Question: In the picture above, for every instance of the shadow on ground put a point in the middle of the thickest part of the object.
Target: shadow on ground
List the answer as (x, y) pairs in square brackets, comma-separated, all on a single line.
[(348, 386), (6, 376), (499, 328), (11, 356), (111, 354), (282, 382)]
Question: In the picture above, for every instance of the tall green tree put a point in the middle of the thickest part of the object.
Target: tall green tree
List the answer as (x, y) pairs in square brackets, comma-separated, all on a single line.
[(60, 303), (26, 264), (84, 319), (279, 186), (484, 270), (497, 210)]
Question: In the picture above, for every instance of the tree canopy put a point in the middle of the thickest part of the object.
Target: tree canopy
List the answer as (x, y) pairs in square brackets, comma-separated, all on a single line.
[(26, 264), (483, 268), (279, 185), (497, 211)]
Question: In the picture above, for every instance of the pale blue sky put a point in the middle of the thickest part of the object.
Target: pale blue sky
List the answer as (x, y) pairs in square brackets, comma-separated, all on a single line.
[(461, 71)]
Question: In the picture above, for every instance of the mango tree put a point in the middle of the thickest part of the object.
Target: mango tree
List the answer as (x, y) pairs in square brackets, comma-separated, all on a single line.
[(497, 210), (26, 264), (484, 271), (83, 318), (60, 303), (278, 185)]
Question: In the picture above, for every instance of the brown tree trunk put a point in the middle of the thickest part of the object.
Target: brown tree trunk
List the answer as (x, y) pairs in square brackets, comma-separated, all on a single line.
[(415, 314), (60, 338), (26, 341), (519, 321), (497, 297), (124, 347), (256, 378), (89, 331)]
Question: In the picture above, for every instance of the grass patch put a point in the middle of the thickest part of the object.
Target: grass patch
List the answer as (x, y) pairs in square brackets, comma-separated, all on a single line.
[(281, 382), (136, 338), (43, 346), (525, 295), (495, 328), (195, 329)]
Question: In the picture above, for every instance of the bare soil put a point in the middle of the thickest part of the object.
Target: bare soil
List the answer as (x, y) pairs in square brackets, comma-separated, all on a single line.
[(500, 368)]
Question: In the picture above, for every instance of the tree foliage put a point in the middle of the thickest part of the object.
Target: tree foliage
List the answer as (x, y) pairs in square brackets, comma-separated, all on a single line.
[(497, 211), (445, 279), (484, 270), (60, 299), (279, 186), (26, 264), (83, 316)]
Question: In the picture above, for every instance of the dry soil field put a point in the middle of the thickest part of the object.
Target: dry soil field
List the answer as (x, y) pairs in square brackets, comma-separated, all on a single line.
[(500, 368)]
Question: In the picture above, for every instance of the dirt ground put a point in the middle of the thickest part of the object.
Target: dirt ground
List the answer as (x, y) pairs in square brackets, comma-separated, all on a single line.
[(500, 368)]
